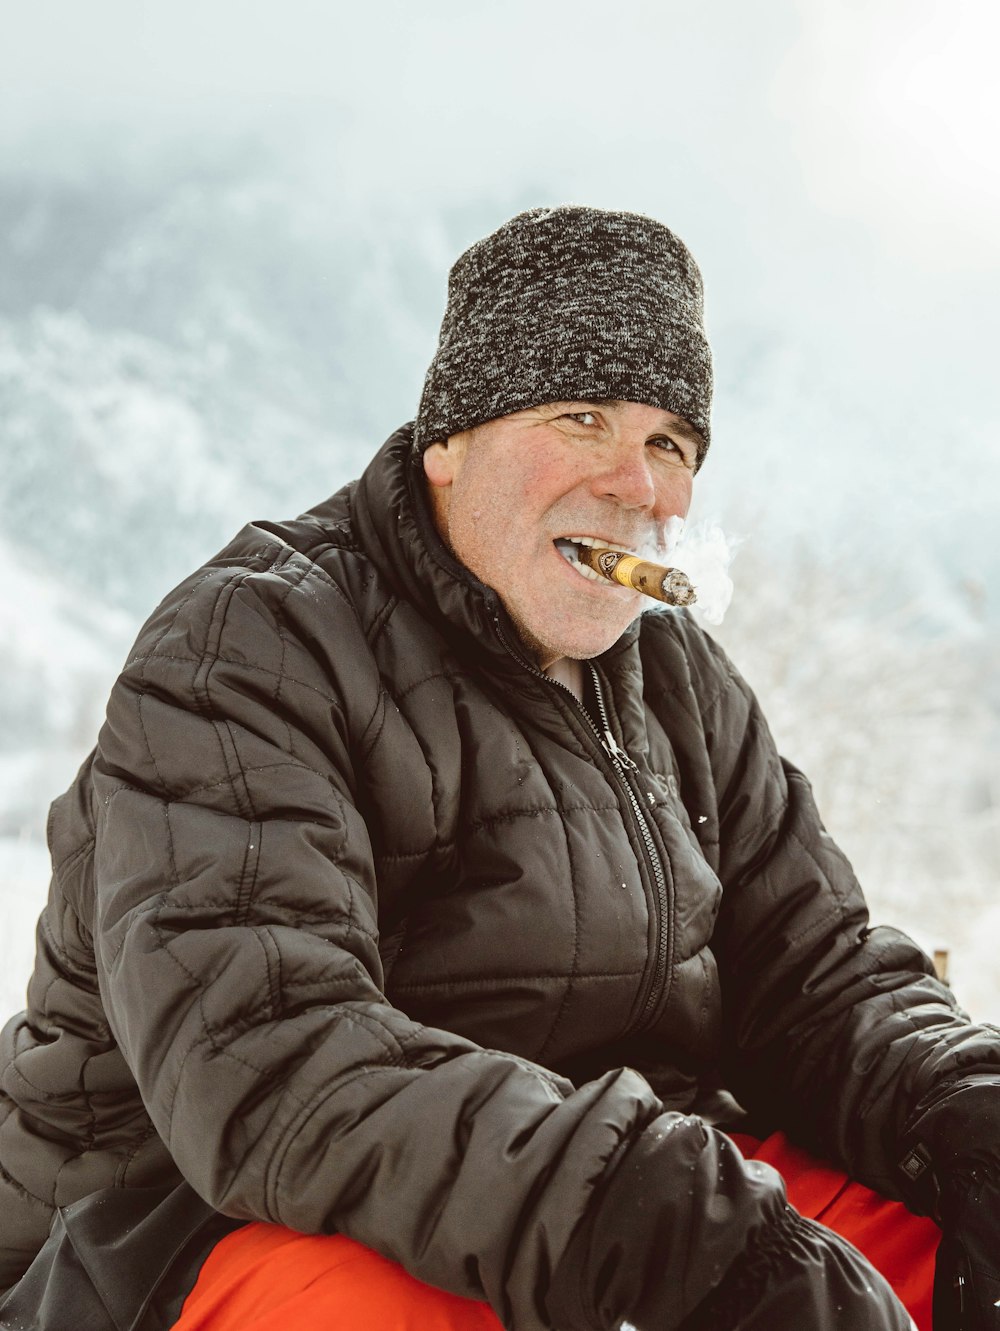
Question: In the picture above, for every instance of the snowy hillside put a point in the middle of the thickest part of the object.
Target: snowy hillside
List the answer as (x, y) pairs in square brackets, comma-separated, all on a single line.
[(59, 652)]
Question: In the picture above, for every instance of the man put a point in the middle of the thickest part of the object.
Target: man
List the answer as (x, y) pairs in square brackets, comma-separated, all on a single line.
[(432, 909)]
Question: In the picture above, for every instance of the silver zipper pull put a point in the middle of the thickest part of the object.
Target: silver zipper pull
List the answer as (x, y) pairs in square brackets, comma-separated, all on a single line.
[(619, 755)]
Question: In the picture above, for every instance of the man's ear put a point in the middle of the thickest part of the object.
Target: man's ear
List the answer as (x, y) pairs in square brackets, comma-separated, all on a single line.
[(442, 463), (443, 459)]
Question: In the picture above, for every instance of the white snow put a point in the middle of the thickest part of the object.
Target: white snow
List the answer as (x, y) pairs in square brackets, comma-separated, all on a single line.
[(24, 871)]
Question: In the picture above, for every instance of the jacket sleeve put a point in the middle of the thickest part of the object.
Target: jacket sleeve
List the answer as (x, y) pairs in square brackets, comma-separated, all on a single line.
[(836, 1031), (236, 940)]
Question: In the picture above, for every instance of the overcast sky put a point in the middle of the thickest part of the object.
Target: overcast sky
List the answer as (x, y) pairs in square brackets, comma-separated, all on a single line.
[(847, 150)]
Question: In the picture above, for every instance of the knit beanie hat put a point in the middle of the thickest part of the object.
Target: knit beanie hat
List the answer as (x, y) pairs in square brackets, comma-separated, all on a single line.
[(569, 304)]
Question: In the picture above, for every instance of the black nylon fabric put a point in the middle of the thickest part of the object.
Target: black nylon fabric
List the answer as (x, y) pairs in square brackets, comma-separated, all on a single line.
[(353, 926), (958, 1128), (135, 1233)]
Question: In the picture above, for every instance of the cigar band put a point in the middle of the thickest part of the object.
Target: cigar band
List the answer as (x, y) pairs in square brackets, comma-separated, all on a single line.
[(623, 568)]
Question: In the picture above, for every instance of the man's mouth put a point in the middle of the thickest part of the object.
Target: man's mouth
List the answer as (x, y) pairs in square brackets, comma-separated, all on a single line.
[(567, 547)]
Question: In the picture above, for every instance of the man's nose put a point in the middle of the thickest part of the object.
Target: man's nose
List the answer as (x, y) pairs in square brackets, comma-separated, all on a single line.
[(628, 479)]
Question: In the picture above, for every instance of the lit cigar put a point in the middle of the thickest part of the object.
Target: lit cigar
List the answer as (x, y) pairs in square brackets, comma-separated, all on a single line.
[(663, 584)]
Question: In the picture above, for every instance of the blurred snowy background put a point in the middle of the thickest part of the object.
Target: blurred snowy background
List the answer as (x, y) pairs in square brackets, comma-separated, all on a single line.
[(225, 229)]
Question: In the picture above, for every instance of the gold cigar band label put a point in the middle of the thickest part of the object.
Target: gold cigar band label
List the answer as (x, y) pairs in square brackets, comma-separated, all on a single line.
[(624, 567)]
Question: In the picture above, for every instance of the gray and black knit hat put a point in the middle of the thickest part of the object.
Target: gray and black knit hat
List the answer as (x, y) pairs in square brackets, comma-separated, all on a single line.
[(569, 303)]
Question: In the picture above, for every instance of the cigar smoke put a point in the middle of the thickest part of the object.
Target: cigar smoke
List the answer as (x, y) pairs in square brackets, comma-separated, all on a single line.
[(685, 566), (703, 552)]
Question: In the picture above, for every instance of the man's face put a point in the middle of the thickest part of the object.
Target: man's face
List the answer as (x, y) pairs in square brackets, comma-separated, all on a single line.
[(504, 492)]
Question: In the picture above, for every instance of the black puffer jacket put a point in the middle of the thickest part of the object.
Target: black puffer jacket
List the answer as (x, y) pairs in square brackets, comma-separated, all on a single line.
[(356, 918)]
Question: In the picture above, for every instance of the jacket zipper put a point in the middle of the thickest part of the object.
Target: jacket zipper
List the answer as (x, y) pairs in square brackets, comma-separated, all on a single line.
[(621, 765)]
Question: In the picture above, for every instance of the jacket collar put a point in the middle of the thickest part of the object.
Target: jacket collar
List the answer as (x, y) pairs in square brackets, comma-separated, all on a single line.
[(392, 520)]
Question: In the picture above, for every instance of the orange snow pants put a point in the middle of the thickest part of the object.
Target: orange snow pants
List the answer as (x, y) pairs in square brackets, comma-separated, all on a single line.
[(268, 1278)]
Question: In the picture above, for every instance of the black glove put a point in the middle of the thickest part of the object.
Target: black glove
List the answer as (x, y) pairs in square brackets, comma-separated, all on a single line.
[(967, 1276), (799, 1274), (952, 1167), (684, 1234)]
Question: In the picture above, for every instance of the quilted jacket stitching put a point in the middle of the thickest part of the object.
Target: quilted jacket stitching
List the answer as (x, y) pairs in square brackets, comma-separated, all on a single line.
[(183, 796), (368, 744), (221, 658), (400, 695), (512, 814), (128, 1160), (400, 857), (168, 624), (449, 982), (60, 867), (21, 1190), (381, 621)]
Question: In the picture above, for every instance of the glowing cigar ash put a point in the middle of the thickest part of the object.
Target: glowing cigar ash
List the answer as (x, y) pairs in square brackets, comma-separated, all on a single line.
[(669, 585)]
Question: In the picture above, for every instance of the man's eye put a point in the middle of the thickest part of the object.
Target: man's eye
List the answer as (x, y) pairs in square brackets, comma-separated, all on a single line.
[(668, 445), (584, 417)]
